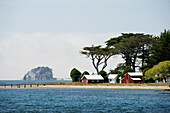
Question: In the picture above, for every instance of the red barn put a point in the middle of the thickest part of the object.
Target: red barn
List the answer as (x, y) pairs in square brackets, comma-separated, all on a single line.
[(127, 79), (92, 79), (132, 77)]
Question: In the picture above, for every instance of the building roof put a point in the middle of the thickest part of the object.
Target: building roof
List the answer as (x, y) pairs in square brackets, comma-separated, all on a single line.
[(93, 77), (112, 76), (136, 78), (135, 73)]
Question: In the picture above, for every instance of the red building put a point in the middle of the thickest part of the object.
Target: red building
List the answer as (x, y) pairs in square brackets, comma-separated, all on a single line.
[(132, 77), (127, 79), (92, 79)]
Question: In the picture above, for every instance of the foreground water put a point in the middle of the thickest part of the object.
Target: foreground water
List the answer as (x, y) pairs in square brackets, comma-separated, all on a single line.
[(83, 100)]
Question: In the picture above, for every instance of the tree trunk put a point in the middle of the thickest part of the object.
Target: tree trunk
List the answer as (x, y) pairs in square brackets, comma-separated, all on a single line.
[(95, 66), (105, 64), (134, 62), (128, 60), (93, 62), (143, 55)]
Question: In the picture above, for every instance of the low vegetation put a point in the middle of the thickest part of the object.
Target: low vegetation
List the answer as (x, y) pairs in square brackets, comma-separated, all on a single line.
[(159, 72)]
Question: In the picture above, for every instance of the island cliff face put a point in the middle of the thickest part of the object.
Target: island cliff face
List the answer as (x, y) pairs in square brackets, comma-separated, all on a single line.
[(39, 73)]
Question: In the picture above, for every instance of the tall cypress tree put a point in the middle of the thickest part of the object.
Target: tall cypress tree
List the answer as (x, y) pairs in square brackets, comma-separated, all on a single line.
[(161, 49)]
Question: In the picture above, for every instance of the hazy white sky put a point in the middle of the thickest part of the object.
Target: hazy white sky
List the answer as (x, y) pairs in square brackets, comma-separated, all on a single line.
[(52, 32)]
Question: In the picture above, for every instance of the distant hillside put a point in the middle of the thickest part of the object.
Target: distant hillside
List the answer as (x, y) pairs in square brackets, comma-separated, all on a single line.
[(39, 73)]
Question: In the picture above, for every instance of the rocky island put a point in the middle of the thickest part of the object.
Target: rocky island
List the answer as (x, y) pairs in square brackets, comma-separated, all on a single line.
[(39, 73)]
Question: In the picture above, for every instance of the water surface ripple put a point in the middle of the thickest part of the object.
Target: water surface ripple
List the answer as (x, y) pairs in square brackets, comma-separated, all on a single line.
[(84, 101)]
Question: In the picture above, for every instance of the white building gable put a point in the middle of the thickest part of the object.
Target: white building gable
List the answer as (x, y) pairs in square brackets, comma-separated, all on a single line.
[(93, 77), (136, 78), (135, 74), (112, 78)]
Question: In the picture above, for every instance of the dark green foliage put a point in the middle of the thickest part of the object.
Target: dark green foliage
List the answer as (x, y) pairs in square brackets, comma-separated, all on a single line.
[(127, 69), (113, 41), (132, 46), (143, 77), (149, 80), (104, 75), (119, 75), (115, 71), (118, 69), (145, 66), (161, 49), (75, 75), (85, 73), (76, 78), (116, 40), (145, 71)]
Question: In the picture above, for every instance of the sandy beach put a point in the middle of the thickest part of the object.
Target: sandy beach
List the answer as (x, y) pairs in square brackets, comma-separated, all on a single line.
[(87, 87)]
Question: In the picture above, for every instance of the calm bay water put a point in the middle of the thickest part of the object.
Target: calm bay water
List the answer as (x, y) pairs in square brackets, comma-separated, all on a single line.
[(84, 100), (15, 82)]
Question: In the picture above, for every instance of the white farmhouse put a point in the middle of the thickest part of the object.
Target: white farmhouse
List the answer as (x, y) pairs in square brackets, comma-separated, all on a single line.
[(112, 78), (92, 79)]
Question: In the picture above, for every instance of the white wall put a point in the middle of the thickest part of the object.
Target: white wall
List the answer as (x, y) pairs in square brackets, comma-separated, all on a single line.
[(112, 80)]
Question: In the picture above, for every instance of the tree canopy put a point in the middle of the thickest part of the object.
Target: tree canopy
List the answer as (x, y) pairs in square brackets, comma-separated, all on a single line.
[(132, 47), (98, 55), (160, 71), (119, 69), (161, 48), (85, 73), (139, 51), (127, 69), (75, 75), (104, 75)]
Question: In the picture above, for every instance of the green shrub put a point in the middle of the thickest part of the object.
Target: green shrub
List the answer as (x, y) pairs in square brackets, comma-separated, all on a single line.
[(143, 77), (127, 69), (119, 75), (104, 75), (85, 73), (75, 75)]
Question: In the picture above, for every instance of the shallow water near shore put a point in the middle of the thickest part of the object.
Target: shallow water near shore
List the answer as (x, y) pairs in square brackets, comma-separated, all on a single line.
[(83, 100), (15, 82)]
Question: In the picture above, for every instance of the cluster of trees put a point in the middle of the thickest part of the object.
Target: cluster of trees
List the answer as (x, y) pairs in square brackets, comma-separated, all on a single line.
[(138, 50), (158, 72), (134, 48), (76, 75), (158, 67)]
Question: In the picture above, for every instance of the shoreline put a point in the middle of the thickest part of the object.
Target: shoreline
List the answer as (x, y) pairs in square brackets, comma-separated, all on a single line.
[(82, 87)]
